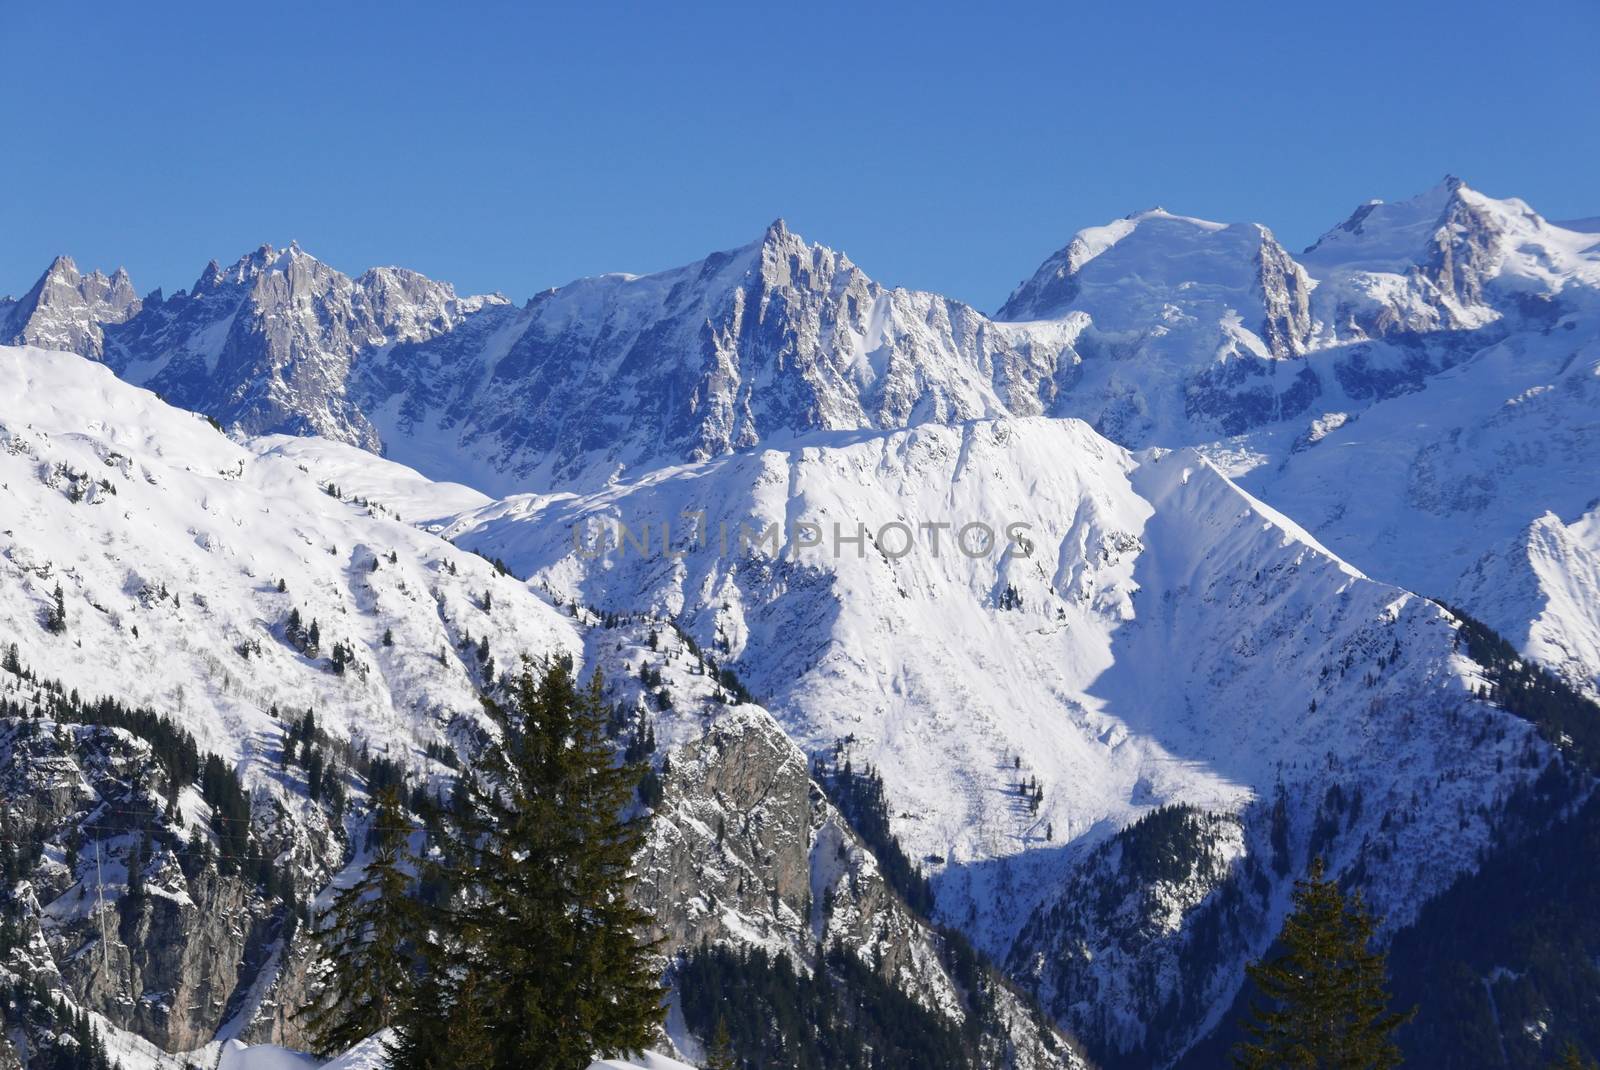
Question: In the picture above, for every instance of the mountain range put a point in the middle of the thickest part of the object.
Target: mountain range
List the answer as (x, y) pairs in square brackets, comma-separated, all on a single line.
[(1247, 509)]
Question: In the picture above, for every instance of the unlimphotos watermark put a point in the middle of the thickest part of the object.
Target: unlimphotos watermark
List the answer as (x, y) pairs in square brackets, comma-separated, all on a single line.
[(594, 538)]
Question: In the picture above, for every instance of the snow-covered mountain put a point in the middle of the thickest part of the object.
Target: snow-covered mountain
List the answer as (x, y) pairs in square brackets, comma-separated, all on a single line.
[(1193, 649), (1008, 698), (1157, 329), (236, 588), (613, 373)]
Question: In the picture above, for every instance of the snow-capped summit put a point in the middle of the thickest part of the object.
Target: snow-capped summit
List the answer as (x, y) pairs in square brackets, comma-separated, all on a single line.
[(1178, 322), (1448, 259), (1129, 274)]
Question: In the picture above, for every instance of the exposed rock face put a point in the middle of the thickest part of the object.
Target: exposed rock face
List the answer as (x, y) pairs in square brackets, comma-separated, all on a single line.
[(745, 850), (779, 336), (68, 310), (746, 846), (269, 343), (1285, 301), (164, 954)]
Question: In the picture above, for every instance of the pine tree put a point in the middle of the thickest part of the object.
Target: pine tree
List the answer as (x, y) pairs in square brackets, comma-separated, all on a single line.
[(1327, 989), (719, 1053), (55, 618), (365, 939), (13, 661), (543, 926)]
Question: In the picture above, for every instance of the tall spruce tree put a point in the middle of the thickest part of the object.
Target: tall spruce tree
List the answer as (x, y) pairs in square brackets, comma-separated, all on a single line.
[(366, 939), (537, 963), (1329, 1009), (719, 1053)]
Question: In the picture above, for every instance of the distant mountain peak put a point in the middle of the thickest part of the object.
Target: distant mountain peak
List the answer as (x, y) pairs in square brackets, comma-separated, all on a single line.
[(65, 309)]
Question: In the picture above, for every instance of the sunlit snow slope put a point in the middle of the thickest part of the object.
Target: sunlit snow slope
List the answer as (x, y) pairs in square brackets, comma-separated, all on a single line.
[(1164, 638)]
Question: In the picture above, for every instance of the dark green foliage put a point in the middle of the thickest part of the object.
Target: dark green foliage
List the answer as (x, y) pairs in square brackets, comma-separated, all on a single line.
[(55, 617), (1163, 845), (365, 939), (841, 1017), (1518, 941), (58, 1036), (1572, 1059), (1563, 716), (650, 789), (860, 798), (1280, 833), (537, 962), (719, 1049), (737, 692), (1326, 1005), (230, 809)]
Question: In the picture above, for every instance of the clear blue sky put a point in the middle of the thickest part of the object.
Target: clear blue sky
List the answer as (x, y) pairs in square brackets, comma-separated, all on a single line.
[(944, 147)]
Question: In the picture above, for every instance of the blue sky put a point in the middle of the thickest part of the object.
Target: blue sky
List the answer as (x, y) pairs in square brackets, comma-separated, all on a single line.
[(946, 147)]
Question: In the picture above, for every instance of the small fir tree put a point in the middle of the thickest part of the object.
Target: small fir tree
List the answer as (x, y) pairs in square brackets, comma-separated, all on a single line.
[(1328, 1005)]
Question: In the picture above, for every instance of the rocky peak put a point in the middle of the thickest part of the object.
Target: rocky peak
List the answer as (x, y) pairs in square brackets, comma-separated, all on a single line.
[(1390, 235), (66, 310)]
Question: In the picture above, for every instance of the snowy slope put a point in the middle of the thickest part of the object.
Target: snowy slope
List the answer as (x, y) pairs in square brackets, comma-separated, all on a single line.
[(1438, 402), (958, 676), (1541, 590), (168, 541), (1420, 488)]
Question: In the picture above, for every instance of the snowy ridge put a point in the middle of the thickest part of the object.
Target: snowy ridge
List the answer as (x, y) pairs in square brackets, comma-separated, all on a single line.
[(958, 676), (166, 536), (1542, 592), (1159, 329), (1205, 454), (152, 521)]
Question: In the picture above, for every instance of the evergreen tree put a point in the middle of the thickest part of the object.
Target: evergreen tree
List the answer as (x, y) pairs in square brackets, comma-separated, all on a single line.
[(1327, 989), (364, 940), (538, 962), (55, 618), (719, 1053)]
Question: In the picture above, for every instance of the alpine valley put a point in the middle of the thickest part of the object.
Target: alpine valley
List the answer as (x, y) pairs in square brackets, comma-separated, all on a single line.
[(1288, 556)]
